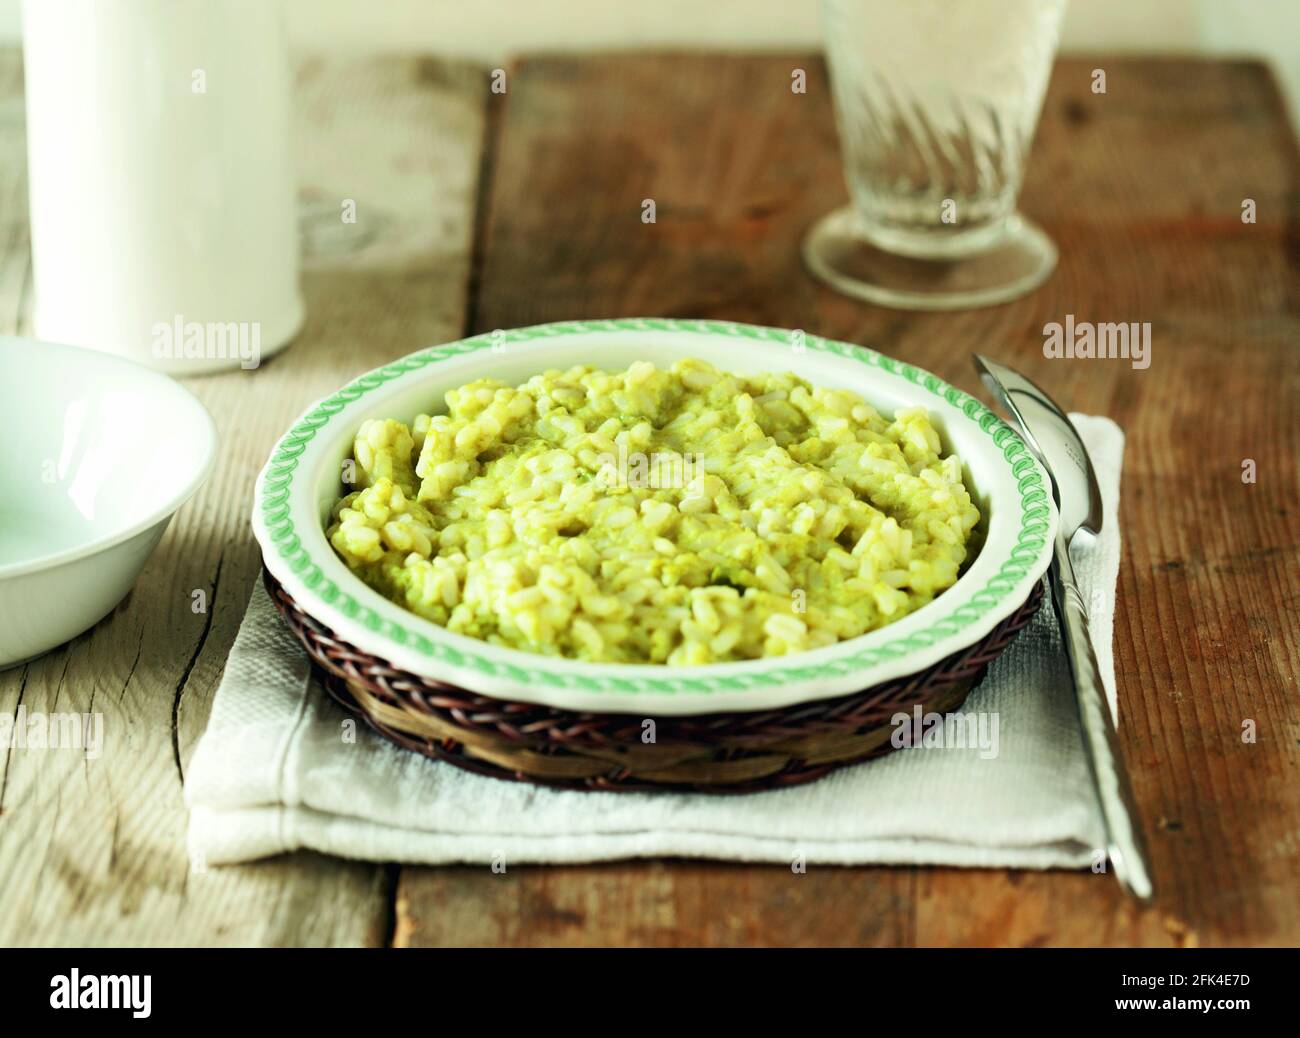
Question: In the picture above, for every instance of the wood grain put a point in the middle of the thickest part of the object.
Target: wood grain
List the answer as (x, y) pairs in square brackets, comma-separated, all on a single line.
[(1142, 189), (653, 904), (93, 852)]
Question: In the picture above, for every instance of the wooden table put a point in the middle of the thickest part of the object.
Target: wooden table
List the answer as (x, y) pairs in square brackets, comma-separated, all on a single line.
[(479, 210)]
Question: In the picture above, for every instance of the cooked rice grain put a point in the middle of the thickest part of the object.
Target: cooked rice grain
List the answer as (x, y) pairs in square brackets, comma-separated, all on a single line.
[(776, 517)]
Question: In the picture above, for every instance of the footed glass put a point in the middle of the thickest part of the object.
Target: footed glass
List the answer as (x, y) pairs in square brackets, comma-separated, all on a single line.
[(937, 102)]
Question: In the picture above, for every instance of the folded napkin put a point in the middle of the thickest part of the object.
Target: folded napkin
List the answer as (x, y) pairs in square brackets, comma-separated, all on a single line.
[(274, 771)]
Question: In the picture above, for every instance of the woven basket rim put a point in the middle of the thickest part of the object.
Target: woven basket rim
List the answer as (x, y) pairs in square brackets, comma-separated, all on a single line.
[(721, 752)]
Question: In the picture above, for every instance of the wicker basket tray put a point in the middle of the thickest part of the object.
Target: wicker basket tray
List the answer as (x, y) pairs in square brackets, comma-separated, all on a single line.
[(715, 753)]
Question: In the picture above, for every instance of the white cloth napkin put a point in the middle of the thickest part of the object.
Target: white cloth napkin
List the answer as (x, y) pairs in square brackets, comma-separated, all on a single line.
[(273, 772)]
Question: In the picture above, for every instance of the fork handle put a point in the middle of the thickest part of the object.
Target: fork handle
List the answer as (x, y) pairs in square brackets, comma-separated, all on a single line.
[(1124, 843)]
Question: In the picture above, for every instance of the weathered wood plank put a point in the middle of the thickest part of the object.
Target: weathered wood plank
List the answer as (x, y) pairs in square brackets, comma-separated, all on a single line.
[(652, 904), (92, 852), (1142, 189), (1205, 633)]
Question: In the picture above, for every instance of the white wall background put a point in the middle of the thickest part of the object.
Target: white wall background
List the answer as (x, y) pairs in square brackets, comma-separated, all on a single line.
[(491, 29)]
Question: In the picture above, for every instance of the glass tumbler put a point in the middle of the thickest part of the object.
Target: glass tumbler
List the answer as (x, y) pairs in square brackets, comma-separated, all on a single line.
[(936, 103)]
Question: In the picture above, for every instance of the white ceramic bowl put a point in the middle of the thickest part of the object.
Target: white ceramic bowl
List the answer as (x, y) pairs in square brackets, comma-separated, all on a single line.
[(98, 454), (300, 483)]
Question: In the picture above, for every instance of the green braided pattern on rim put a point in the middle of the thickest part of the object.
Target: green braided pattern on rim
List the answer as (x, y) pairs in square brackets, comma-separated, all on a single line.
[(1035, 513)]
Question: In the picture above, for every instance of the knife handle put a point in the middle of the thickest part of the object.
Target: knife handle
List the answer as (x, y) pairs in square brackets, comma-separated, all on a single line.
[(1123, 832)]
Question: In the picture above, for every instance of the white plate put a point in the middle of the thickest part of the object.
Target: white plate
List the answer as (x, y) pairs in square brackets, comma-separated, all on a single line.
[(99, 453), (301, 482)]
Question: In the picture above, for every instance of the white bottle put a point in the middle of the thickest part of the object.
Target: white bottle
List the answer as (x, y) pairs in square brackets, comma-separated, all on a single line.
[(161, 185)]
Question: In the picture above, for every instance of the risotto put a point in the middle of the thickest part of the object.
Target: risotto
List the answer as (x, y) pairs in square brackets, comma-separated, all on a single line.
[(681, 516)]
